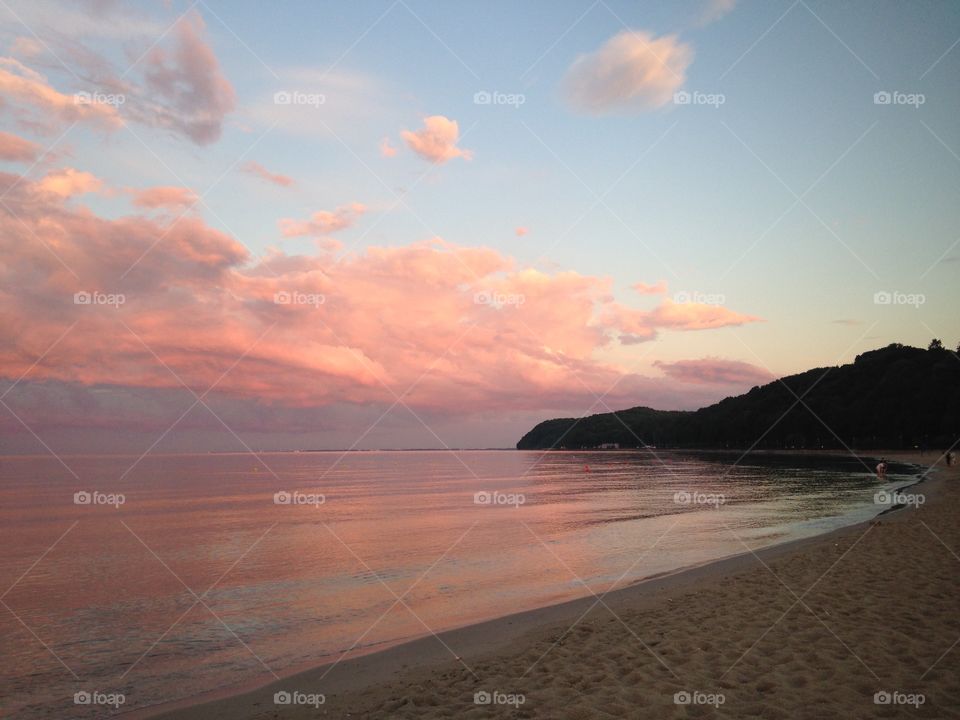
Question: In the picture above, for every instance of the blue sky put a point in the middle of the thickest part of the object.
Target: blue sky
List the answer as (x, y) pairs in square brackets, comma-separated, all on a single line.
[(799, 95)]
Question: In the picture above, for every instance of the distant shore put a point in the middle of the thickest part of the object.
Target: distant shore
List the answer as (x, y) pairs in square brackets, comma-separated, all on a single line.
[(809, 628)]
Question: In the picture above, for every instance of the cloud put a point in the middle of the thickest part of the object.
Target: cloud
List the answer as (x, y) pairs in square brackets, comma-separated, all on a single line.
[(659, 288), (258, 170), (465, 329), (165, 196), (641, 325), (437, 141), (386, 149), (94, 19), (715, 9), (697, 316), (195, 96), (322, 222), (181, 87), (633, 71), (38, 106), (14, 148), (63, 243), (521, 231), (716, 371), (68, 182), (26, 47)]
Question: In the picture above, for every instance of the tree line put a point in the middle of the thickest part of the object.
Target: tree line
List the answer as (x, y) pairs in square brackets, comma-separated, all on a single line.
[(894, 397)]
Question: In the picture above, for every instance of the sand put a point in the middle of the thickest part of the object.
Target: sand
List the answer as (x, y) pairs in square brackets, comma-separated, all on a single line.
[(810, 629)]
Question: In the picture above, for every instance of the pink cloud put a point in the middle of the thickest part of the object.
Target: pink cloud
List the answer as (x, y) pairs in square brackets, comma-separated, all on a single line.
[(632, 71), (521, 231), (102, 251), (182, 89), (68, 182), (659, 288), (464, 328), (165, 196), (14, 148), (697, 316), (716, 371), (36, 104), (386, 149), (258, 170), (322, 222), (26, 47), (715, 9), (638, 326), (194, 95), (437, 140)]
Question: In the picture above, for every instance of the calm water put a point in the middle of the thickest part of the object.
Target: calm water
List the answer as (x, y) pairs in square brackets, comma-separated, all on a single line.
[(281, 586)]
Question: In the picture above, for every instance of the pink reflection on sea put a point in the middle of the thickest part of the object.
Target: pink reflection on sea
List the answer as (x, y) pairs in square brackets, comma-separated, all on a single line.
[(201, 578)]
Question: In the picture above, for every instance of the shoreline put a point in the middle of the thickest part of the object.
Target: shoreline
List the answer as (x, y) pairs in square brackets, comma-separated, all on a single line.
[(367, 674)]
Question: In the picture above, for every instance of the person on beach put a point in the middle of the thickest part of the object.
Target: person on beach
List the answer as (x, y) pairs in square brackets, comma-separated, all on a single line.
[(949, 459), (882, 469)]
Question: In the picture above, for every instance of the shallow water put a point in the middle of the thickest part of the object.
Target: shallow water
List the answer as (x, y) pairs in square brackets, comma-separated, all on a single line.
[(199, 579)]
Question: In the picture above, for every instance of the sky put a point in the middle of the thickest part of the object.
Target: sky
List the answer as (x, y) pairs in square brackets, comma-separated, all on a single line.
[(228, 226)]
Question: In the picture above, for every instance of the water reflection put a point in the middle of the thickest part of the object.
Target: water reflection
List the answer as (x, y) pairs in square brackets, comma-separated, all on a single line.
[(282, 586)]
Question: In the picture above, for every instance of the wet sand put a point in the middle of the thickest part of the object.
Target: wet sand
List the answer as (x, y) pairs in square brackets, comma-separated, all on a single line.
[(810, 629)]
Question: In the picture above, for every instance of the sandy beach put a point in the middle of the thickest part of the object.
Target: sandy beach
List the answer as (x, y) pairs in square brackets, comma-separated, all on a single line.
[(861, 622)]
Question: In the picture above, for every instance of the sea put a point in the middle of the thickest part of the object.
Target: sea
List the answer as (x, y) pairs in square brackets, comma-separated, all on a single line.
[(133, 581)]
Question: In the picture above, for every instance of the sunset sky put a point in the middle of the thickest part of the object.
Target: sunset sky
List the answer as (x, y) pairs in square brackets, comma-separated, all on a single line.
[(234, 226)]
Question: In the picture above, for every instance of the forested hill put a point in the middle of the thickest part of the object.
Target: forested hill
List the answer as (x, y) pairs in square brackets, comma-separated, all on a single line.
[(897, 396)]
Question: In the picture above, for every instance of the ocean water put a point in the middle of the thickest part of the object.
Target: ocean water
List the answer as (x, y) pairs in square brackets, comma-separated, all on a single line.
[(188, 573)]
